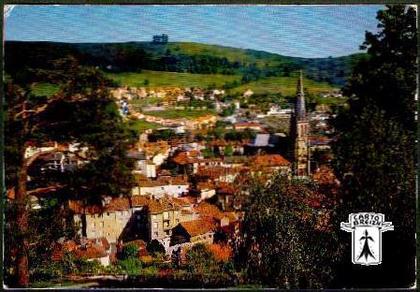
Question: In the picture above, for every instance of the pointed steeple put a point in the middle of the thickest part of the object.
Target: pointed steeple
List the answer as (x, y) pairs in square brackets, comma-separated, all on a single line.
[(300, 108)]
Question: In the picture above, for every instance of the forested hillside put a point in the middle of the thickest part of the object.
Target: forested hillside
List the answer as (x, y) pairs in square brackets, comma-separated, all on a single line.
[(250, 65)]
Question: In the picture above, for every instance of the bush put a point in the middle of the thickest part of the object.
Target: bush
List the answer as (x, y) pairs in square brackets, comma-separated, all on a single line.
[(129, 251), (150, 271), (131, 266)]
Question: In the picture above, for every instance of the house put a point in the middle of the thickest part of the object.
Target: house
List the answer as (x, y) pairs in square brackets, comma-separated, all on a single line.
[(249, 125), (127, 219), (235, 161), (202, 122), (142, 165), (205, 190), (225, 196), (172, 186), (97, 249), (206, 162), (270, 162), (196, 231), (102, 221)]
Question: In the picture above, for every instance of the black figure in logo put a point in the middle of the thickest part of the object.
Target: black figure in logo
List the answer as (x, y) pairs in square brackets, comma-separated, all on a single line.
[(366, 250)]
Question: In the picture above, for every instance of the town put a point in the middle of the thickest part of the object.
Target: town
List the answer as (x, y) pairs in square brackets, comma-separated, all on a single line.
[(187, 187), (184, 147)]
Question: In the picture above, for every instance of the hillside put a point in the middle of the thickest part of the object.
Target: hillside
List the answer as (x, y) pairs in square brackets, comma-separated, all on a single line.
[(151, 79), (182, 57)]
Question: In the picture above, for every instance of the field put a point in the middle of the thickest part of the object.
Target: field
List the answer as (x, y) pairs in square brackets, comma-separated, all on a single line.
[(140, 126), (177, 114), (138, 104), (284, 85), (170, 79)]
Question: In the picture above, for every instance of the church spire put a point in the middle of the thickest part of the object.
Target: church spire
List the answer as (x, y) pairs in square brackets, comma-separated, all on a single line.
[(300, 110)]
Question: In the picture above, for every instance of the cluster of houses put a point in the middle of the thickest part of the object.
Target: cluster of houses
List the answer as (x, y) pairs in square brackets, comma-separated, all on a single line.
[(181, 196)]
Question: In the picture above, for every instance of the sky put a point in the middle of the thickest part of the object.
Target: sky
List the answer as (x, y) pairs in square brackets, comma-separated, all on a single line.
[(300, 31)]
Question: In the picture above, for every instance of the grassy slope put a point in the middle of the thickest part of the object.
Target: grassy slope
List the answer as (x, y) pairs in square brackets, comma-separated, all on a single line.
[(176, 114), (284, 85), (141, 125), (171, 79)]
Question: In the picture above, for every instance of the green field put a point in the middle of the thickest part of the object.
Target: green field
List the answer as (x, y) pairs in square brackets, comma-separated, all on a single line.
[(44, 89), (171, 79), (138, 104), (177, 114), (284, 85), (141, 125)]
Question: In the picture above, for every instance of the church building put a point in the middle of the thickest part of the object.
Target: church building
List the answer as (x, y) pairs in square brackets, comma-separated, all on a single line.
[(299, 134)]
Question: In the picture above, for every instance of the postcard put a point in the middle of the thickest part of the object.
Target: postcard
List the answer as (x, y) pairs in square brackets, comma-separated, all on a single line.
[(210, 146)]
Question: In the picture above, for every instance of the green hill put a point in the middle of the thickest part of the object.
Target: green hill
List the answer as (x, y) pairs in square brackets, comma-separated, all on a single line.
[(270, 85), (151, 79), (250, 65), (284, 85)]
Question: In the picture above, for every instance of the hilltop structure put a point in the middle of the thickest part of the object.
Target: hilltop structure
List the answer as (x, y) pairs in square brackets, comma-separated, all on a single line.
[(299, 133), (160, 39)]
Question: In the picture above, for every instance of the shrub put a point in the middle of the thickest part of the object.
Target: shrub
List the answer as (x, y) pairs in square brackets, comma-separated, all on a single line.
[(131, 266)]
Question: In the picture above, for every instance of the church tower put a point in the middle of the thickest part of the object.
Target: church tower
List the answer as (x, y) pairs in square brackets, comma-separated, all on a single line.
[(300, 131)]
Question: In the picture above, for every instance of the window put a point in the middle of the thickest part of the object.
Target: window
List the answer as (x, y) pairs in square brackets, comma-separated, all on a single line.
[(162, 188), (165, 215), (179, 187), (108, 234)]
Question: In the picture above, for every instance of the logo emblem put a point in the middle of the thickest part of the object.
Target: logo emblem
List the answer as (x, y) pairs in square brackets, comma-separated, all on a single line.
[(366, 236)]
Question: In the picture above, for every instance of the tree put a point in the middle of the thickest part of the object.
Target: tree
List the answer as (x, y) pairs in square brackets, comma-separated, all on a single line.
[(129, 251), (281, 244), (375, 153), (83, 112), (228, 150), (200, 260)]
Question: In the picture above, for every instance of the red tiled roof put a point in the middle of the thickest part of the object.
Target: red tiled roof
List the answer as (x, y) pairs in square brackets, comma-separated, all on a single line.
[(226, 188), (91, 252), (209, 210), (123, 204), (270, 160), (198, 227), (162, 181)]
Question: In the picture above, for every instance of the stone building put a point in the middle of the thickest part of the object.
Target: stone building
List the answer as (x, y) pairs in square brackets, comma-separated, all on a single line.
[(299, 134)]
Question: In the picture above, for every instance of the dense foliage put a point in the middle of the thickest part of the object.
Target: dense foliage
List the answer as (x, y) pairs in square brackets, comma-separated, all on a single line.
[(375, 151), (281, 245), (81, 112)]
